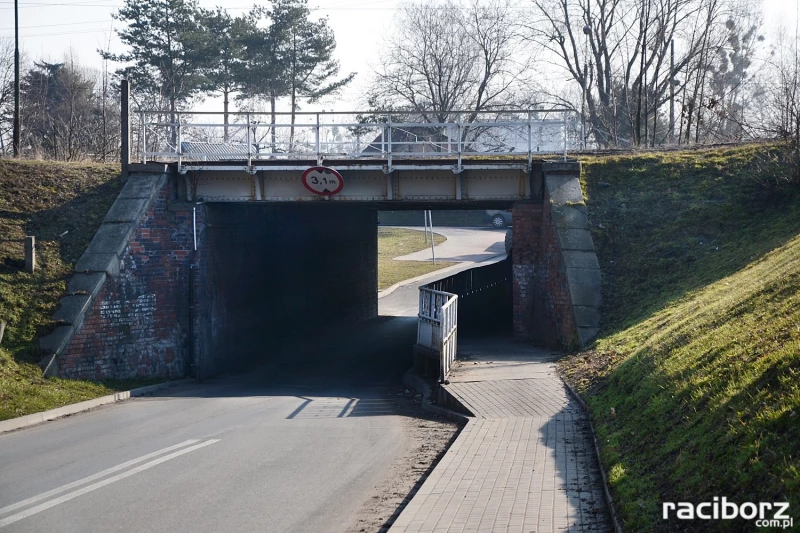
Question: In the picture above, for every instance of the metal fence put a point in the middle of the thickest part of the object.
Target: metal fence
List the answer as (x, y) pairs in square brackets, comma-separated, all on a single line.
[(437, 327), (248, 136), (484, 297)]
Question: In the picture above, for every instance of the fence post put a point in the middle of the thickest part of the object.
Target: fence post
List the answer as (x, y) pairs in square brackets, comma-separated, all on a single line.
[(2, 330), (319, 156), (178, 147), (389, 156), (530, 144), (249, 143), (30, 254), (458, 120), (144, 138), (125, 128)]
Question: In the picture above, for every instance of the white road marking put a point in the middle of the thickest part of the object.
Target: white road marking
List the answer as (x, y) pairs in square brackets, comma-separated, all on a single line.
[(93, 477), (66, 497)]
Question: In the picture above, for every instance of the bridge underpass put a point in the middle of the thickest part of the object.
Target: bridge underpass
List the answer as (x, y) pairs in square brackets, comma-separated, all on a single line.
[(222, 245), (278, 283), (183, 287)]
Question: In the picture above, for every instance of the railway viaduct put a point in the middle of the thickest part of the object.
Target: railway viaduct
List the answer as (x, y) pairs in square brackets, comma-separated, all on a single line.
[(203, 263)]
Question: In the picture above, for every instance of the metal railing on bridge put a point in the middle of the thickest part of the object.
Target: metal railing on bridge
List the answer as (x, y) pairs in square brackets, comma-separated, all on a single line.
[(437, 328), (196, 136)]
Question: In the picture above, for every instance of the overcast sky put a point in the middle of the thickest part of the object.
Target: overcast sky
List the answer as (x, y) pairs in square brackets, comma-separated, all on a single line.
[(48, 28)]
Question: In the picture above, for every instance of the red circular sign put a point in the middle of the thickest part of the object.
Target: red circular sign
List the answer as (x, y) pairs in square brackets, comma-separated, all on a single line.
[(323, 180)]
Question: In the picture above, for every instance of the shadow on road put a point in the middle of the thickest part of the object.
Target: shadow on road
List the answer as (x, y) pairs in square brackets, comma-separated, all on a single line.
[(362, 363)]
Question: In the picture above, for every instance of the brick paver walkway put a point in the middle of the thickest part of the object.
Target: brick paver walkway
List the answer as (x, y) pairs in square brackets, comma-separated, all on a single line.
[(524, 463)]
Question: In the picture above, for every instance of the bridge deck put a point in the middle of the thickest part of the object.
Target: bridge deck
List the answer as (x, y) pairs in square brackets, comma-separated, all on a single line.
[(481, 181)]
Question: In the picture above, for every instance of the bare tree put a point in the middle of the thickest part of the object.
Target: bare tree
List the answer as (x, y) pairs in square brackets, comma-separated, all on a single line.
[(628, 56), (782, 118), (6, 94), (65, 112), (451, 57)]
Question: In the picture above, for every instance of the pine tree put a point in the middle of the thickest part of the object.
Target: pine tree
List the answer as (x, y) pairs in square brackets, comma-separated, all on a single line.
[(159, 64)]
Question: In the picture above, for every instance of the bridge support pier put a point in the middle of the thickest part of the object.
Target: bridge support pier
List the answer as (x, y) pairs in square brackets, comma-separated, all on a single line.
[(555, 268)]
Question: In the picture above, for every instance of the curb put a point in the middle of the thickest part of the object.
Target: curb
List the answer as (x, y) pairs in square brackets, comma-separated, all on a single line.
[(463, 265), (413, 381), (609, 500), (39, 418)]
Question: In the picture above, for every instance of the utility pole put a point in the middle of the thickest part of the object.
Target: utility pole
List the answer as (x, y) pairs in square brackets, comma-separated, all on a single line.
[(16, 134)]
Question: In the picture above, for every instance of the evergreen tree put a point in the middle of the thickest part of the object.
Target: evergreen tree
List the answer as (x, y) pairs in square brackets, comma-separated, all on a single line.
[(289, 55), (305, 50), (219, 46), (156, 33)]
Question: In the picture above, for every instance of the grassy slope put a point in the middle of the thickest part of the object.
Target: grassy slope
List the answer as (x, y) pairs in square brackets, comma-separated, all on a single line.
[(693, 385), (44, 200), (394, 242)]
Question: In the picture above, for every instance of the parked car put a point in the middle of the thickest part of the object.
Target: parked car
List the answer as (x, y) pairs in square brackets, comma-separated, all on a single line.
[(499, 219)]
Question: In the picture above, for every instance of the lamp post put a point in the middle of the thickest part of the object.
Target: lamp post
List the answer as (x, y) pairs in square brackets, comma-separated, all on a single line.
[(15, 140)]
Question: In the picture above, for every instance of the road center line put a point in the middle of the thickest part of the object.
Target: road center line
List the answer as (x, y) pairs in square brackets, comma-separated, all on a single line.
[(66, 497), (93, 477)]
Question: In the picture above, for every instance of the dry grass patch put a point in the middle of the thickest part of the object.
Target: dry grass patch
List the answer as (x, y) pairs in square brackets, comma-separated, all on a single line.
[(395, 242)]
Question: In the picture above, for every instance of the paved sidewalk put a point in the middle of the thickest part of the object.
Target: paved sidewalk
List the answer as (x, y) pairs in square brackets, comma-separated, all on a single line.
[(525, 461)]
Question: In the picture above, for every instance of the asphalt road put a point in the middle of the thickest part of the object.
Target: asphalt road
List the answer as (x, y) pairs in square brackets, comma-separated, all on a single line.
[(469, 245), (296, 446)]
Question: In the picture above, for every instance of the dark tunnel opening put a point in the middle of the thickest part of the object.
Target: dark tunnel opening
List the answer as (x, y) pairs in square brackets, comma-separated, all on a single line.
[(294, 287)]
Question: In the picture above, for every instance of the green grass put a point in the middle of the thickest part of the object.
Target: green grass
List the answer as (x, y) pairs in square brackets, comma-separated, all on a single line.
[(62, 205), (694, 383), (394, 242)]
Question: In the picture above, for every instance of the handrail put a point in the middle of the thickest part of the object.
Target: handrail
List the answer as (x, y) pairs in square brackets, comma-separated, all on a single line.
[(437, 327), (247, 136), (363, 113)]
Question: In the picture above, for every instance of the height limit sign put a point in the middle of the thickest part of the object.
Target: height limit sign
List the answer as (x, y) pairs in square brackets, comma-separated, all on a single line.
[(323, 181)]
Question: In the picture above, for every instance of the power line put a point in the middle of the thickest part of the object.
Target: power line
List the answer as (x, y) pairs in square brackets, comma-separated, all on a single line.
[(62, 4), (66, 33), (61, 24)]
